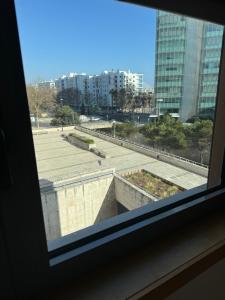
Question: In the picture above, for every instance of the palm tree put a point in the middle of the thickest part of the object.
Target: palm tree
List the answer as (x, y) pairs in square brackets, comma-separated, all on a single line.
[(114, 94)]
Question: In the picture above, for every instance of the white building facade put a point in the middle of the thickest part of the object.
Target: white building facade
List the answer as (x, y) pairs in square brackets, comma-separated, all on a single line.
[(47, 84), (96, 89)]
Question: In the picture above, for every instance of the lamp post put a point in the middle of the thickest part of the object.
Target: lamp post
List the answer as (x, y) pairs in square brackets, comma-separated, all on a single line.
[(114, 129), (158, 101), (61, 101)]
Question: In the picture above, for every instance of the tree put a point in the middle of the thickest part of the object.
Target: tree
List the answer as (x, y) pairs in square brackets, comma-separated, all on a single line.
[(126, 130), (64, 115), (114, 95), (70, 96), (168, 133), (122, 98), (82, 109), (88, 101), (199, 135), (40, 99), (146, 99), (130, 101), (171, 134)]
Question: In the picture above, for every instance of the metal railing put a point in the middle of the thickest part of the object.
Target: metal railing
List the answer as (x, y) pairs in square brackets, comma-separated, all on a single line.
[(157, 151)]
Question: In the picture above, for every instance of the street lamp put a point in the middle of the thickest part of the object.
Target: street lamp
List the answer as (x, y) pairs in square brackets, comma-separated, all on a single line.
[(158, 101), (73, 117), (61, 101), (114, 128)]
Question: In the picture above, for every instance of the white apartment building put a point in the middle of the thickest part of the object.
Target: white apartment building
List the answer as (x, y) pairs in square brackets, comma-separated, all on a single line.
[(73, 80), (97, 88), (47, 84)]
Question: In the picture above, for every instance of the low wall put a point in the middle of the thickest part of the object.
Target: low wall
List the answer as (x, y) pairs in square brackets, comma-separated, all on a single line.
[(52, 129), (165, 157), (76, 142), (76, 203), (100, 153), (129, 195), (97, 124)]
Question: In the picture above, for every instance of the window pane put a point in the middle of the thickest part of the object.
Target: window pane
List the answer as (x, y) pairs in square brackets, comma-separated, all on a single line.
[(120, 118)]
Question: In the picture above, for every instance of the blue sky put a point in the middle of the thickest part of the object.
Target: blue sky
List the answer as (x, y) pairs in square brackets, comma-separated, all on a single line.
[(58, 37)]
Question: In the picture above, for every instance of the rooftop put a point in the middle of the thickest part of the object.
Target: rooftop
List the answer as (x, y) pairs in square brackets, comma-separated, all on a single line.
[(57, 159)]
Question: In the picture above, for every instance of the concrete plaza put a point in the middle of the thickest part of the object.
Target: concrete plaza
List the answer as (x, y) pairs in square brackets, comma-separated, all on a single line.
[(57, 159)]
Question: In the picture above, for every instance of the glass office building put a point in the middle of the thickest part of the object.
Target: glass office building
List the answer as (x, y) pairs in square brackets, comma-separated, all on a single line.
[(212, 43), (182, 54)]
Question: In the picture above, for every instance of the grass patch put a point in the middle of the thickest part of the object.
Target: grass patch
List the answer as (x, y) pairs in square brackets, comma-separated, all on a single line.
[(82, 138), (153, 184)]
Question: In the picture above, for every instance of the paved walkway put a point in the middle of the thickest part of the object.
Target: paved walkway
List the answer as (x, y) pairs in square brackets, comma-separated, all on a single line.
[(57, 159)]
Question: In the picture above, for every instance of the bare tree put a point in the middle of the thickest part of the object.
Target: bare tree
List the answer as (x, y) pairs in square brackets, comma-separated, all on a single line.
[(40, 99), (146, 100)]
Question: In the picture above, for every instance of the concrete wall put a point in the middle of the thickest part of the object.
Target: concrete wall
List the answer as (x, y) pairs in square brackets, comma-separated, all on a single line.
[(77, 203), (129, 195), (97, 124), (76, 142), (184, 164)]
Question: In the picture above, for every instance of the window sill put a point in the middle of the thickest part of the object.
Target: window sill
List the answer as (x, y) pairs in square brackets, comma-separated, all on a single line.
[(158, 270)]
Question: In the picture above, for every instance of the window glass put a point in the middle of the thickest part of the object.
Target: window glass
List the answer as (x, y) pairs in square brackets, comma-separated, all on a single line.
[(119, 119)]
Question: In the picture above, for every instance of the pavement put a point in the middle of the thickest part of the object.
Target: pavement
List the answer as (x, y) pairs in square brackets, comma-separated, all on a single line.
[(57, 159)]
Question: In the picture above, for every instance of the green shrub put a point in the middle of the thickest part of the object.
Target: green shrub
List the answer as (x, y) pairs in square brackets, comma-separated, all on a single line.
[(82, 138), (55, 122), (156, 186)]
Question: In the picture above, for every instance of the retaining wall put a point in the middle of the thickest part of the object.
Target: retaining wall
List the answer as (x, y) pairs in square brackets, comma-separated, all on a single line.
[(77, 203), (165, 157), (76, 142), (129, 195)]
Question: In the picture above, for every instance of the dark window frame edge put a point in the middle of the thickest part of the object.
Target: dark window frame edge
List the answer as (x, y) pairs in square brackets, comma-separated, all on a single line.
[(44, 266), (65, 265), (127, 219)]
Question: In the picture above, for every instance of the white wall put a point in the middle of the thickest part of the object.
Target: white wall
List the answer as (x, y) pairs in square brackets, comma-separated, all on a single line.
[(78, 204)]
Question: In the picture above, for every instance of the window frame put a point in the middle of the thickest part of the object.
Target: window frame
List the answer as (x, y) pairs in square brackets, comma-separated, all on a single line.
[(31, 268)]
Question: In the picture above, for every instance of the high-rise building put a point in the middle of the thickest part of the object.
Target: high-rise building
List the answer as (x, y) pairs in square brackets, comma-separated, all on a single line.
[(182, 55), (73, 80), (209, 70)]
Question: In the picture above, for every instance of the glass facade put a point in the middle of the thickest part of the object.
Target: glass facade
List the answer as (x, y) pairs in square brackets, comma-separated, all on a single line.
[(211, 50), (170, 50), (187, 64)]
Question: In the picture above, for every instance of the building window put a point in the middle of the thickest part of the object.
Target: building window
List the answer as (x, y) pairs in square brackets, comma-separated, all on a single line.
[(77, 177)]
